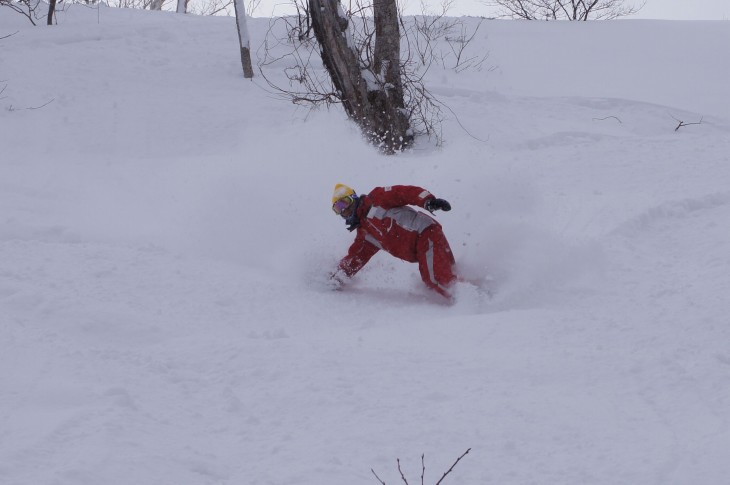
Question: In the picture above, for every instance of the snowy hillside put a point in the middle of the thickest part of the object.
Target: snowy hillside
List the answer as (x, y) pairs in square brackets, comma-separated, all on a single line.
[(165, 231)]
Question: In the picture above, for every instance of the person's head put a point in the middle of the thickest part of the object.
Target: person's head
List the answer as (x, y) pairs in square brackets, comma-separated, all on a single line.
[(344, 201)]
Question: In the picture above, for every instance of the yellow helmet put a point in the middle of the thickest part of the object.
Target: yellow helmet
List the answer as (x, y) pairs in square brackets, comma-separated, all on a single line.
[(342, 191)]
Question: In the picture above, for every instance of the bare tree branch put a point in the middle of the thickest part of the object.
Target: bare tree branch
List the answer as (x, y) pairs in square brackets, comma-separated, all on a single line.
[(26, 8), (376, 476), (452, 466), (606, 118), (423, 467), (401, 472), (12, 108), (575, 10), (423, 470), (682, 123)]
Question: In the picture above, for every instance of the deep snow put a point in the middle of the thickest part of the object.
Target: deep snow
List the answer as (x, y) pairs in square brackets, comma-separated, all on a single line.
[(165, 229)]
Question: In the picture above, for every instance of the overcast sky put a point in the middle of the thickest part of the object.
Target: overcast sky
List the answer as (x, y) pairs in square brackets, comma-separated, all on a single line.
[(654, 9), (686, 9)]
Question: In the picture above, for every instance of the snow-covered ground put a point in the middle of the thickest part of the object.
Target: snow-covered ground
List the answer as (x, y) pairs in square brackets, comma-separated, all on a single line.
[(165, 229)]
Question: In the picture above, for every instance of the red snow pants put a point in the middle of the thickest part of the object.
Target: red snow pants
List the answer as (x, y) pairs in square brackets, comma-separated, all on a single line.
[(435, 260)]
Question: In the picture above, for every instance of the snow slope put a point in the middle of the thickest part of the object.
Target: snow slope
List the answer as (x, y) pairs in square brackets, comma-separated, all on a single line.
[(165, 229)]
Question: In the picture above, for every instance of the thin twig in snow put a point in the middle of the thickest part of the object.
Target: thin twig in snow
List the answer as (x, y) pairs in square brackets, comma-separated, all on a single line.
[(607, 117), (423, 467), (376, 476), (682, 123), (401, 472), (452, 466), (12, 108)]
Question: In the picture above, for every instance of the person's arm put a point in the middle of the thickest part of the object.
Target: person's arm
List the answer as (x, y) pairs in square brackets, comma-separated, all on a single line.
[(358, 255), (400, 195)]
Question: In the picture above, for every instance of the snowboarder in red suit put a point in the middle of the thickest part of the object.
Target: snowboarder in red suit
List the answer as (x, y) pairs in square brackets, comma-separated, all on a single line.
[(384, 220)]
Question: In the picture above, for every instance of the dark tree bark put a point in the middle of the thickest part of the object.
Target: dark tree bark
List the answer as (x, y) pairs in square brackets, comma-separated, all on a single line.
[(387, 101), (375, 103), (51, 11), (243, 39)]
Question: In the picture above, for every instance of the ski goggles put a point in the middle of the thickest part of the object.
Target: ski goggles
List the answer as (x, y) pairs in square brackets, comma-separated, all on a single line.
[(342, 204)]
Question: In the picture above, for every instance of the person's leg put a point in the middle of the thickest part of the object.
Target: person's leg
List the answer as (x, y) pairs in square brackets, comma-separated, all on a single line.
[(436, 261)]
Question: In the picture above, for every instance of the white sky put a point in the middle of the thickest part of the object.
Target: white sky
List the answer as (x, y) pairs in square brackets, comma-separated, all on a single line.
[(654, 9), (686, 9)]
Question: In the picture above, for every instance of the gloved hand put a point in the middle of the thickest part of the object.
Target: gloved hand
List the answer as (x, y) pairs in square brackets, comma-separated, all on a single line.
[(436, 204)]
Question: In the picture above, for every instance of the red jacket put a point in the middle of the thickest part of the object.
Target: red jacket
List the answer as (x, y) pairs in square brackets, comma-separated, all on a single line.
[(386, 222)]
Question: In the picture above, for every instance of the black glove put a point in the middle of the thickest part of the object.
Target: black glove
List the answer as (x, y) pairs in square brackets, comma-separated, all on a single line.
[(436, 204)]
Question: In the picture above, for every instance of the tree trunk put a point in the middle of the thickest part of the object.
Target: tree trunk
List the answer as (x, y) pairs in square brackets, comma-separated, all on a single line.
[(375, 103), (388, 99), (51, 11), (243, 39), (182, 6)]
